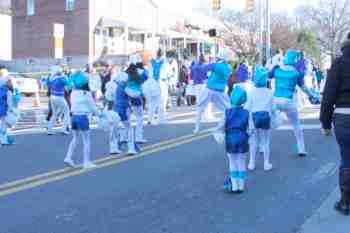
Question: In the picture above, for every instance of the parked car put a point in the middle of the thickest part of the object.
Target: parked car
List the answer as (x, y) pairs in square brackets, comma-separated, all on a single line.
[(27, 86)]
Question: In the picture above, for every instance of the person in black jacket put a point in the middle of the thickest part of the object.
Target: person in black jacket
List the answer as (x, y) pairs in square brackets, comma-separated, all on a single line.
[(335, 108)]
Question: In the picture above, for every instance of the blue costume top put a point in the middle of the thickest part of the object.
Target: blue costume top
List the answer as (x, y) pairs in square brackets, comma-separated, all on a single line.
[(57, 85), (242, 73), (3, 100), (136, 84), (199, 73), (236, 125), (157, 66), (122, 101), (220, 74), (288, 77)]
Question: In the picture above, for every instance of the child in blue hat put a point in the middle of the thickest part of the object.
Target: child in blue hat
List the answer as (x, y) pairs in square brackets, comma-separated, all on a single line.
[(83, 105), (261, 106), (236, 137)]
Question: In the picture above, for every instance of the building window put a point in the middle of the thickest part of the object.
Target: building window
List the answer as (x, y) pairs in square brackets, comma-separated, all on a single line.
[(30, 7), (70, 5)]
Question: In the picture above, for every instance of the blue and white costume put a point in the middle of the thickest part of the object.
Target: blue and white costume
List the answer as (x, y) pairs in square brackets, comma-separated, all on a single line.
[(287, 78), (261, 107), (156, 90), (137, 75), (111, 97), (83, 105), (4, 106), (57, 84), (237, 139), (215, 90)]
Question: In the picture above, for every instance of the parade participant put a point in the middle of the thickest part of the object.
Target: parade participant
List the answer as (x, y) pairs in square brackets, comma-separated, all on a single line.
[(83, 105), (236, 139), (157, 95), (335, 109), (57, 84), (261, 107), (242, 77), (199, 77), (123, 108), (287, 78), (6, 86), (95, 83), (137, 75), (215, 90), (111, 98)]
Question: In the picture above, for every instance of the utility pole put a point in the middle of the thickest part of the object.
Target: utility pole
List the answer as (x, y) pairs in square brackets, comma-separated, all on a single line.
[(268, 31)]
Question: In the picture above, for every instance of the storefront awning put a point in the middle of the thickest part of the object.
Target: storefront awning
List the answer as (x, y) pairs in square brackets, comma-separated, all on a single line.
[(111, 23)]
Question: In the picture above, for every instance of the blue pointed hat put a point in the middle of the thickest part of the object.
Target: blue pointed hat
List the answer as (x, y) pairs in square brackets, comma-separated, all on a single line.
[(79, 79), (238, 96), (291, 57), (260, 76)]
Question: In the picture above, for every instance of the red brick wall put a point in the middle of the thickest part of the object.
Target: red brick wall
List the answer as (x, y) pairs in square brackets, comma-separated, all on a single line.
[(33, 35)]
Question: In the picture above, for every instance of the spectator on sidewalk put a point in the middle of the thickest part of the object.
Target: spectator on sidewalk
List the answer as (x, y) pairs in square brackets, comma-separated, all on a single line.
[(336, 108)]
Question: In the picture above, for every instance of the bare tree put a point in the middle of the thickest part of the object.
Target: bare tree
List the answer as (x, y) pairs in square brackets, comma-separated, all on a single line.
[(283, 34), (242, 35), (330, 20)]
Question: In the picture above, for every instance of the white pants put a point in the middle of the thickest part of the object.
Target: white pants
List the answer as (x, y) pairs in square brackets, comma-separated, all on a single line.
[(153, 106), (114, 139), (199, 88), (3, 131), (237, 166), (260, 139), (59, 106), (86, 143), (219, 99), (164, 97), (289, 107), (139, 122)]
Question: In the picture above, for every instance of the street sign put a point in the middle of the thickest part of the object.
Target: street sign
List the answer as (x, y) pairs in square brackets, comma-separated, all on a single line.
[(58, 36)]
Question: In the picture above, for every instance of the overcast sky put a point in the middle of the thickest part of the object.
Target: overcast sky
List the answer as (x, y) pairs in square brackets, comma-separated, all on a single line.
[(187, 5)]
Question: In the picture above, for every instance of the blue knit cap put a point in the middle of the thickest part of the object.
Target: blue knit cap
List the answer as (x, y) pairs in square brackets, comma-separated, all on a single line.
[(291, 57), (79, 79), (260, 76), (238, 96)]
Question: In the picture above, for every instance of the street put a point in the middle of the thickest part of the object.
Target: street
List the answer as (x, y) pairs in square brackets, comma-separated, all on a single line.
[(175, 185)]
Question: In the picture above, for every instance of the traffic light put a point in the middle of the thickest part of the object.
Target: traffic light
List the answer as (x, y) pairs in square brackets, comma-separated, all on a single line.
[(216, 5), (249, 6)]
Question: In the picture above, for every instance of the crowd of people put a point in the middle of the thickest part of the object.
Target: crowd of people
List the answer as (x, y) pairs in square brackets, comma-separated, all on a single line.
[(251, 99)]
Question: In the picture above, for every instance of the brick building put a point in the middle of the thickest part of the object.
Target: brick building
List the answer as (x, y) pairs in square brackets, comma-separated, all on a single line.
[(90, 29), (5, 26)]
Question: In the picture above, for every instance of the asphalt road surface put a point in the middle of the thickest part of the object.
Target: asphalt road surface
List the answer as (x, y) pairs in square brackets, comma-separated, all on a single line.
[(175, 185)]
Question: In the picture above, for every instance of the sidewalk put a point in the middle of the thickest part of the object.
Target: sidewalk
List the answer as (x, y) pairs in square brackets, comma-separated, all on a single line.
[(326, 219)]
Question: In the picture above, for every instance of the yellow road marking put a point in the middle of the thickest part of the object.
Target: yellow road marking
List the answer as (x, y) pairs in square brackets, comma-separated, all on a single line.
[(45, 178), (104, 159)]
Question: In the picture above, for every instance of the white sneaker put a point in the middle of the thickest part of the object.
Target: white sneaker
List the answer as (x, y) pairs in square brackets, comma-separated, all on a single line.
[(89, 165), (196, 131), (241, 185), (234, 185), (65, 132), (131, 149), (267, 166), (115, 152), (70, 163), (50, 132), (251, 166), (141, 141)]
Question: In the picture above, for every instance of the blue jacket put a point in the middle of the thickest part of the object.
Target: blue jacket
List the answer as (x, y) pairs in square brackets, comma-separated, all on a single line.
[(236, 126), (3, 100), (220, 74), (157, 66), (199, 72), (287, 79), (57, 85), (242, 73)]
